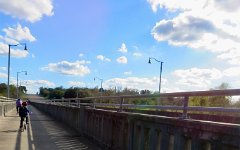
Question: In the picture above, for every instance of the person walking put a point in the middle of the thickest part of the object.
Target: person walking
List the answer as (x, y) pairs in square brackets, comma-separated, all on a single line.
[(18, 104), (23, 113)]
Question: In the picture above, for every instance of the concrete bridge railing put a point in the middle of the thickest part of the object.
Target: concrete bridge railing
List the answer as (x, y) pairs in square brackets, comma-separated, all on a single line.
[(134, 131), (6, 106)]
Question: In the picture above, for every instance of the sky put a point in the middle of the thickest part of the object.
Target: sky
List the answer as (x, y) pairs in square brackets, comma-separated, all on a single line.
[(72, 42)]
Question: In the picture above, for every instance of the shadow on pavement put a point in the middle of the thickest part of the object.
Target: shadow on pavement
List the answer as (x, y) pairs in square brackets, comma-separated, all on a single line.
[(45, 133)]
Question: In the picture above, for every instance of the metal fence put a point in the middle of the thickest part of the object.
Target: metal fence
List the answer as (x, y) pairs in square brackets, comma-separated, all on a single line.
[(124, 102)]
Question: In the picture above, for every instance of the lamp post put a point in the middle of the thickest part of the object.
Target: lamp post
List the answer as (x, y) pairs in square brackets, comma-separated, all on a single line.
[(17, 80), (9, 50), (101, 89), (160, 76)]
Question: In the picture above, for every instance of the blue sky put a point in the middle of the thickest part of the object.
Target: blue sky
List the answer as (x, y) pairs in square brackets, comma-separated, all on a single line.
[(71, 42)]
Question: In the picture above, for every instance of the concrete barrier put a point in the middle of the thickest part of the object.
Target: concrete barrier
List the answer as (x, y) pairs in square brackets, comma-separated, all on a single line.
[(134, 131), (6, 107)]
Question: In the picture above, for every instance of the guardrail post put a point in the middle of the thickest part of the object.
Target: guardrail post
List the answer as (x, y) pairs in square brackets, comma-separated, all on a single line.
[(94, 100), (185, 106), (78, 103), (121, 103)]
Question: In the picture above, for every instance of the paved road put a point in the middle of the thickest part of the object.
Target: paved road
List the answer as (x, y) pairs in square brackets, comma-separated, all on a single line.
[(43, 133)]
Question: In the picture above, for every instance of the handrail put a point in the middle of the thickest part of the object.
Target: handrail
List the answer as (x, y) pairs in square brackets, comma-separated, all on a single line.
[(185, 95)]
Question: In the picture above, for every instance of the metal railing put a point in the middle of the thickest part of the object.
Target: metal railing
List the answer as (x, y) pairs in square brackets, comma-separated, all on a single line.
[(124, 101)]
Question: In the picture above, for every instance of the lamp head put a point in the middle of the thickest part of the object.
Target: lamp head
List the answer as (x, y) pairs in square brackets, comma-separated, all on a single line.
[(25, 72), (25, 48), (149, 61)]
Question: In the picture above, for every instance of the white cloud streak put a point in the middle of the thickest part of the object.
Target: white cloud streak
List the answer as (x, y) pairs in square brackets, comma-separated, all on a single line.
[(103, 58), (137, 54), (69, 68), (76, 84), (127, 73), (30, 10), (135, 83), (3, 75)]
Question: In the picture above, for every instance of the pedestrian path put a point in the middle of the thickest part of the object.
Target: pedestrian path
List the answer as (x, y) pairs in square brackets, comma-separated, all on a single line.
[(43, 133)]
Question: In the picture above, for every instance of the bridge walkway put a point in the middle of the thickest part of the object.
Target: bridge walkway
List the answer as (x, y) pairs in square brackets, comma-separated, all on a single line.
[(43, 133)]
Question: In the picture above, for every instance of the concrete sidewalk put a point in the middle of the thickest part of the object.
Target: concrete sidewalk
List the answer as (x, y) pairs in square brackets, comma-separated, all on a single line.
[(43, 133)]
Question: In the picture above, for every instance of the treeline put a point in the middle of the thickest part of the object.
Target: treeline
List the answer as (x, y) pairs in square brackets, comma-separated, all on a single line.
[(76, 92), (22, 91)]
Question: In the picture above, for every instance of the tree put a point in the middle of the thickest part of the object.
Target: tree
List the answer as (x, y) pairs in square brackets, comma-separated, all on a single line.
[(220, 101), (70, 93), (56, 94), (3, 89)]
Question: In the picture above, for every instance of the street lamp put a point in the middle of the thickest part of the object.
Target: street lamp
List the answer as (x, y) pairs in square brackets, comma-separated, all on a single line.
[(9, 48), (101, 89), (17, 79), (160, 76)]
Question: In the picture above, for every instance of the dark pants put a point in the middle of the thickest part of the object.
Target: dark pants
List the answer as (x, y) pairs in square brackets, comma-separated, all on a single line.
[(17, 107), (22, 119)]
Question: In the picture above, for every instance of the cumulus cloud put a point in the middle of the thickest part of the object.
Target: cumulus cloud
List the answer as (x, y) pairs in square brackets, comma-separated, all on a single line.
[(30, 10), (76, 84), (135, 83), (201, 24), (69, 68), (103, 58), (196, 77), (19, 33), (232, 72), (122, 60), (14, 35), (123, 48), (14, 52), (34, 85)]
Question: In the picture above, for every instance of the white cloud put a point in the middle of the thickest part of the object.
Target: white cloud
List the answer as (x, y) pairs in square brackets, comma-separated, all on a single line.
[(232, 72), (122, 60), (81, 55), (196, 77), (3, 68), (3, 75), (19, 33), (103, 58), (123, 48), (76, 84), (135, 83), (14, 52), (212, 25), (30, 10), (39, 83), (137, 54), (127, 73), (33, 56), (69, 68), (34, 85)]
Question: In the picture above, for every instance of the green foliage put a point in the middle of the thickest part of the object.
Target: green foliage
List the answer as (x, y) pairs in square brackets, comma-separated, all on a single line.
[(12, 90), (70, 93), (213, 101), (3, 89)]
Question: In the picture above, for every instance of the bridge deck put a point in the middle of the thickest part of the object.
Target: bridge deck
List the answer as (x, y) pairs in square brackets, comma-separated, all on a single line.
[(42, 133)]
